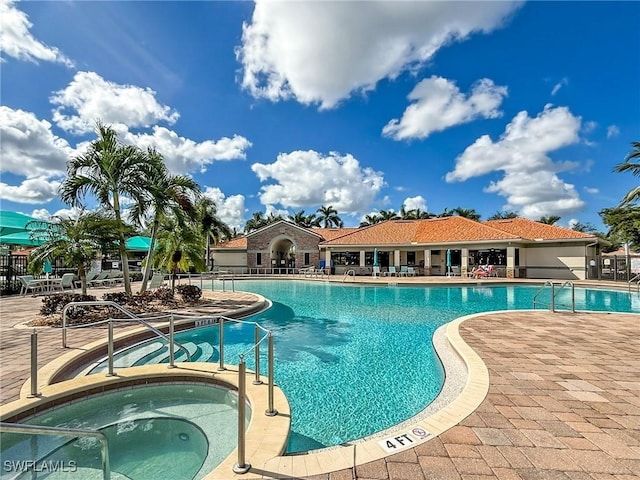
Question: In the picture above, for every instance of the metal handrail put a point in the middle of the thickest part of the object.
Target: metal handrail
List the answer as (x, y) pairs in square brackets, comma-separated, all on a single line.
[(127, 312), (634, 279), (348, 273), (68, 432), (552, 305)]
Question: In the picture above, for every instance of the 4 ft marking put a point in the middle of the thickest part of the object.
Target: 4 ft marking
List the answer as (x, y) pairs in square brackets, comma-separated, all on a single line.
[(403, 440)]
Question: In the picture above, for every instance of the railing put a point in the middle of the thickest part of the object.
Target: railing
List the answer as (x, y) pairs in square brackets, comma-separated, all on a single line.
[(131, 316), (347, 274), (554, 294), (634, 279), (59, 431)]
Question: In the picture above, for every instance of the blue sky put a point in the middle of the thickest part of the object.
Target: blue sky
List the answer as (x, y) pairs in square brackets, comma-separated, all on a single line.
[(286, 106)]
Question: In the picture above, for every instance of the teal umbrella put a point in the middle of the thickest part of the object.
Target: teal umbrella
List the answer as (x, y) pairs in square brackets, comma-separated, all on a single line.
[(20, 238), (448, 261), (12, 222), (138, 244), (375, 257)]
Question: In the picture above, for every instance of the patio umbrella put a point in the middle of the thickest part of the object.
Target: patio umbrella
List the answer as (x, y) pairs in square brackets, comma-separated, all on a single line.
[(138, 244), (20, 238), (448, 260), (375, 257), (12, 222)]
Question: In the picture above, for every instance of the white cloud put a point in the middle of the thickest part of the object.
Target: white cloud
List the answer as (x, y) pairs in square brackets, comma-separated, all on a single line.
[(322, 52), (413, 203), (28, 146), (592, 191), (612, 131), (437, 104), (275, 211), (559, 85), (32, 190), (16, 41), (89, 97), (183, 155), (589, 127), (530, 183), (308, 178), (230, 209), (43, 213)]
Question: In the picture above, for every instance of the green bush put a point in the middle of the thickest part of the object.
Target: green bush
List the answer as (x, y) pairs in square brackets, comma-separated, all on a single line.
[(164, 296), (189, 293)]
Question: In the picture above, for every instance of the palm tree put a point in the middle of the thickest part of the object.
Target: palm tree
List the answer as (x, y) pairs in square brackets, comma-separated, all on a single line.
[(179, 247), (256, 222), (76, 241), (469, 213), (503, 215), (166, 194), (632, 164), (212, 227), (329, 217), (370, 219), (306, 221), (549, 219), (388, 215), (108, 170)]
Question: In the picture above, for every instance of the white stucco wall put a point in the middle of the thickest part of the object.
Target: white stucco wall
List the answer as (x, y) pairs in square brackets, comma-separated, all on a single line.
[(554, 261), (229, 259)]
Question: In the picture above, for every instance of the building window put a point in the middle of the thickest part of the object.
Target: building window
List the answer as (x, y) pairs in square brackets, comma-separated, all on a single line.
[(259, 258), (306, 258), (345, 258), (411, 258)]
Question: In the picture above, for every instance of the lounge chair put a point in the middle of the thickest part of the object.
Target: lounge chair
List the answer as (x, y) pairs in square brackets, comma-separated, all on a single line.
[(404, 271), (115, 277), (376, 272), (27, 282), (391, 271), (411, 272), (156, 281), (67, 281), (100, 280)]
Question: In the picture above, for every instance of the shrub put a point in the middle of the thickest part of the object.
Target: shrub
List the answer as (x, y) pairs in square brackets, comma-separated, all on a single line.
[(52, 304), (118, 297), (164, 296), (189, 293)]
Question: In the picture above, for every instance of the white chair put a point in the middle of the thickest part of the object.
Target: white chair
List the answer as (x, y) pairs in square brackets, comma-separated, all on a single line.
[(376, 272), (67, 281), (392, 271), (27, 282), (411, 272), (156, 281)]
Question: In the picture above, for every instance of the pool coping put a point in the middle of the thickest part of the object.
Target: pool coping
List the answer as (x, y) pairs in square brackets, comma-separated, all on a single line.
[(337, 458), (266, 435)]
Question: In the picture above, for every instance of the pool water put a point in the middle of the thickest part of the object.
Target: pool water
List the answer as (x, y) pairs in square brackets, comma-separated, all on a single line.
[(355, 360), (186, 429)]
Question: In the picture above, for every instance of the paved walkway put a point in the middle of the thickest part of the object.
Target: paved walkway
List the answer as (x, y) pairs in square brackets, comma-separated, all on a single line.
[(563, 403)]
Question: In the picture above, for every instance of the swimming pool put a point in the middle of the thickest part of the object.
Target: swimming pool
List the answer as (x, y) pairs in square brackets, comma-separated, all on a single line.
[(354, 360), (183, 428)]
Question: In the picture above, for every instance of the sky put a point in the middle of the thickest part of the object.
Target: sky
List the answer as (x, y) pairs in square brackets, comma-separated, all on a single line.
[(279, 107)]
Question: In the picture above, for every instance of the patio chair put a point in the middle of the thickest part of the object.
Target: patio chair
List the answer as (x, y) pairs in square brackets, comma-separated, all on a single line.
[(391, 272), (67, 281), (411, 272), (375, 272), (27, 282), (156, 281), (115, 277), (404, 271), (100, 280)]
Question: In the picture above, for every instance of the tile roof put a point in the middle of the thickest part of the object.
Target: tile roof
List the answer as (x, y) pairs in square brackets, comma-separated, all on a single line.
[(531, 230), (436, 230)]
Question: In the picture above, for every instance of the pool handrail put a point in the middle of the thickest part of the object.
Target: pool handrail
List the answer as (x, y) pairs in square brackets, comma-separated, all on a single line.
[(67, 432), (127, 312), (634, 279), (554, 293)]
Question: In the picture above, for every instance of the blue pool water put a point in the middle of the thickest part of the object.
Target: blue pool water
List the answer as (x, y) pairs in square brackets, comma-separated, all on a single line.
[(183, 428), (354, 360)]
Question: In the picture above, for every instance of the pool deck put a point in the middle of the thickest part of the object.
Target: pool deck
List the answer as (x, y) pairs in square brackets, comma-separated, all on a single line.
[(563, 398)]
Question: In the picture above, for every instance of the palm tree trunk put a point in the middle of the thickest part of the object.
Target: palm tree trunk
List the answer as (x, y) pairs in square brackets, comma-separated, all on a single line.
[(149, 261), (122, 247), (82, 273)]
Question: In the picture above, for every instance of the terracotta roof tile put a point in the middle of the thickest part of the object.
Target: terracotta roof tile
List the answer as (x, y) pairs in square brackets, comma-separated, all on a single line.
[(530, 230), (238, 242), (458, 229)]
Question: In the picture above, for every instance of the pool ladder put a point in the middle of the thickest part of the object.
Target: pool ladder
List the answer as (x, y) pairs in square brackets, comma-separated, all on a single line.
[(635, 279), (349, 273), (554, 293)]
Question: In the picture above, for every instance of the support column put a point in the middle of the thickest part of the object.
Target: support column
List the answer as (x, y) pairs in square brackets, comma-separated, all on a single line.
[(427, 262), (396, 258), (464, 262), (327, 261), (362, 258), (511, 262)]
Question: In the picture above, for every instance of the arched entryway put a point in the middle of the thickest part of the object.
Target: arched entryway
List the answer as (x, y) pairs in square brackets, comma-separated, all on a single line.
[(283, 252)]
